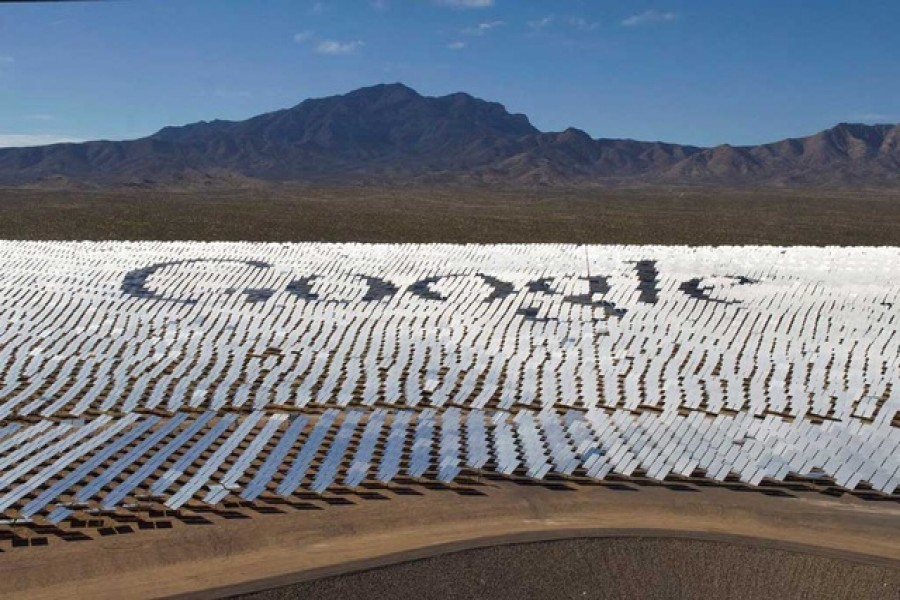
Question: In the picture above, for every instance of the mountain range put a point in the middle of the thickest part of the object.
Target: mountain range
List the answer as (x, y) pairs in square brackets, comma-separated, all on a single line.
[(389, 133)]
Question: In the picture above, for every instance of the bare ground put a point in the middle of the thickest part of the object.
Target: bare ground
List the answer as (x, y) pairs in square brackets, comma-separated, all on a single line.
[(606, 568), (658, 215), (230, 557)]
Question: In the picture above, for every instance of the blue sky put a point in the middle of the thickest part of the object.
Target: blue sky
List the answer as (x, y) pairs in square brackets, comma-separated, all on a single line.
[(703, 72)]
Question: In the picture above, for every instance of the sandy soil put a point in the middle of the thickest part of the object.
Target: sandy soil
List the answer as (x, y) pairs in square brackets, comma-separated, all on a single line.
[(643, 215), (242, 556), (608, 568)]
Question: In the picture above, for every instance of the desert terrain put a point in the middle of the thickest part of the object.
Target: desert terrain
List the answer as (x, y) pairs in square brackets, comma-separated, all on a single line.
[(609, 567), (315, 538), (638, 215)]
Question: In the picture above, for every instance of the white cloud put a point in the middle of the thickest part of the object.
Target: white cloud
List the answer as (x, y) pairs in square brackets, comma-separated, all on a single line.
[(335, 47), (579, 23), (482, 28), (458, 45), (6, 60), (582, 24), (649, 17), (317, 9), (466, 3), (39, 117), (20, 140), (326, 46), (379, 4), (541, 23)]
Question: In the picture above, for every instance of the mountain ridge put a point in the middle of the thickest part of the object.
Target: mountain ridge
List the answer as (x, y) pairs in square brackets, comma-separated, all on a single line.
[(389, 133)]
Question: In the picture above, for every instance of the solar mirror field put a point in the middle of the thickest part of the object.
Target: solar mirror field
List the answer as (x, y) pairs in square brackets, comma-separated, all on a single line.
[(141, 380)]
